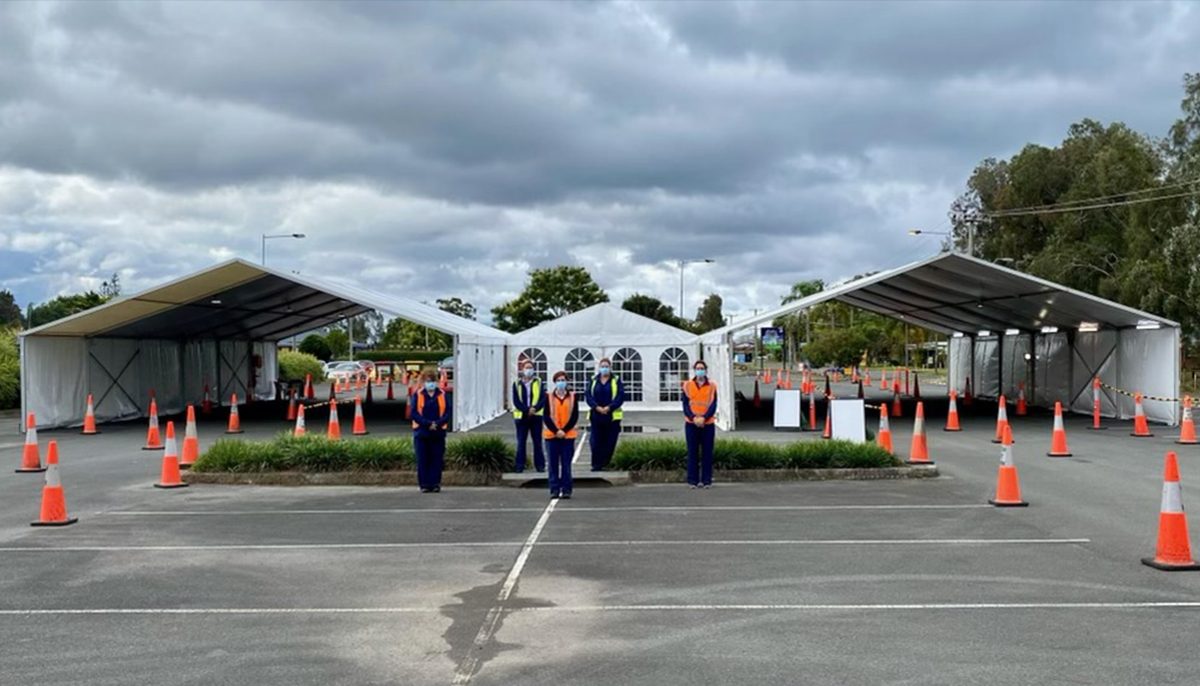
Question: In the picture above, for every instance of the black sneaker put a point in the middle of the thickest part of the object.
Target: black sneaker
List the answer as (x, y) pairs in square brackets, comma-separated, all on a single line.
[(706, 486), (565, 496), (426, 490), (436, 489)]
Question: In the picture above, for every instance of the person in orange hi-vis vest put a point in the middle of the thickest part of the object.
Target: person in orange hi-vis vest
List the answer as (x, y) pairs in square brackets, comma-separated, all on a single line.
[(430, 422), (700, 411), (561, 416)]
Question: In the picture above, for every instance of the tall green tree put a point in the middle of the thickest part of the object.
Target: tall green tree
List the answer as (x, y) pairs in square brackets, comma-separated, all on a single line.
[(339, 344), (649, 306), (457, 306), (315, 344), (10, 311), (64, 306), (708, 316), (550, 293)]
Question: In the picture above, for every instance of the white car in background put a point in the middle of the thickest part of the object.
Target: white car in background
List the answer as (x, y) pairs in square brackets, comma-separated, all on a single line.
[(343, 370)]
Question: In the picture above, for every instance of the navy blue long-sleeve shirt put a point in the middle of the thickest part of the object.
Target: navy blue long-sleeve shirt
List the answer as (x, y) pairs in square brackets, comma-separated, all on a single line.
[(549, 420), (600, 394), (687, 406), (520, 397)]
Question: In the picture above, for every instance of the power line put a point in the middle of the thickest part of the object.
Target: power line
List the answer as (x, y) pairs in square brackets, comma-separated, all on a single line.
[(1061, 208), (1099, 198)]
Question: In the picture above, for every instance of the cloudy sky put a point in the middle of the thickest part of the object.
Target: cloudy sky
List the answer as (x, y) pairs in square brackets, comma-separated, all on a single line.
[(445, 149)]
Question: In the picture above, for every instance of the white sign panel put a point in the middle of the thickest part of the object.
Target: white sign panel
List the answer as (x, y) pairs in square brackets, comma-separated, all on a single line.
[(849, 423), (787, 409)]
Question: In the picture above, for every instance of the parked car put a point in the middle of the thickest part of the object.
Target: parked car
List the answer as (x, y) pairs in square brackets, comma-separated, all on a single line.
[(343, 370), (447, 366)]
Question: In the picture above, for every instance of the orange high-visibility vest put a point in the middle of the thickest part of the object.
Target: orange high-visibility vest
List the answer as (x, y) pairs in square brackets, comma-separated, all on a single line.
[(700, 398), (441, 397), (560, 411)]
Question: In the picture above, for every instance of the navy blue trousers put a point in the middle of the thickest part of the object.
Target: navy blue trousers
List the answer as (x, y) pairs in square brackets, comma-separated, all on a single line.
[(561, 451), (700, 453), (602, 439), (431, 458), (530, 427)]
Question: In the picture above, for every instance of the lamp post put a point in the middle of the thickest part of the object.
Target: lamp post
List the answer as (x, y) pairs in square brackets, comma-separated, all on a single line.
[(267, 236), (682, 264)]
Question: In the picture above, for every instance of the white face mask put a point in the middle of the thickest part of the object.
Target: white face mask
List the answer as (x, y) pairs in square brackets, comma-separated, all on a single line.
[(527, 372)]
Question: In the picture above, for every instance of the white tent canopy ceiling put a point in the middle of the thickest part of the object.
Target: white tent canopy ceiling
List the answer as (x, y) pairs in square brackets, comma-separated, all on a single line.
[(997, 316), (653, 359), (218, 328)]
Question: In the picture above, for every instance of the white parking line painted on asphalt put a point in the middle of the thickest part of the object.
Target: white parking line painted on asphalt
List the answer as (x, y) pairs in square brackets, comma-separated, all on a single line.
[(256, 546), (365, 511), (501, 510), (225, 611), (839, 541), (1118, 605), (487, 630)]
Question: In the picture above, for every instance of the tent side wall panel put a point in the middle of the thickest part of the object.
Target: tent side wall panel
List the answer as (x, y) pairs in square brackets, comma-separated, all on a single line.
[(1148, 363), (55, 379), (1095, 355), (478, 383)]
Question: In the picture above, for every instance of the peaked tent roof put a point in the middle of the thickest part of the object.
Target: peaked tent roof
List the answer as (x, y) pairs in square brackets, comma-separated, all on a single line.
[(240, 300), (951, 292), (601, 325)]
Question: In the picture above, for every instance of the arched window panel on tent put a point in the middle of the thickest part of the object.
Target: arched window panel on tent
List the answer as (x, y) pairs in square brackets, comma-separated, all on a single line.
[(580, 366), (627, 364), (673, 367), (539, 361)]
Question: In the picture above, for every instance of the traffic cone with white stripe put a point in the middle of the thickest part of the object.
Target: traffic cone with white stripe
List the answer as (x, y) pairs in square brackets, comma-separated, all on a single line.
[(334, 430), (89, 418), (952, 414), (170, 477), (884, 437), (1174, 550), (31, 456), (153, 437), (1001, 419), (1187, 427), (235, 421), (827, 433), (1141, 429), (1058, 440), (1096, 406), (191, 441), (918, 452), (359, 428), (308, 387), (1022, 407), (897, 407), (1008, 488), (54, 499), (291, 411), (300, 428), (883, 380), (812, 410), (206, 406)]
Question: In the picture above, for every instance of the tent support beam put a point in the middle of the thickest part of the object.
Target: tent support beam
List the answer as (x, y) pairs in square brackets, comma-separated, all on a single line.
[(116, 379)]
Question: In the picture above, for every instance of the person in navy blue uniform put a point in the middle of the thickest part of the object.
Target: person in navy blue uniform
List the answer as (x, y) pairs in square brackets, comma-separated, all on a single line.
[(528, 404), (605, 395), (561, 416), (430, 422), (700, 414)]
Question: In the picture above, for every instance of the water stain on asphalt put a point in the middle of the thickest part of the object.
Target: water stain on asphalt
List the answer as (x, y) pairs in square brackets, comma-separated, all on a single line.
[(468, 616)]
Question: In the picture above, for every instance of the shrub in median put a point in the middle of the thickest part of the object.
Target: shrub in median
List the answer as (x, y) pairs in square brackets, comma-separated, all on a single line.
[(480, 453), (738, 453), (307, 454), (295, 366)]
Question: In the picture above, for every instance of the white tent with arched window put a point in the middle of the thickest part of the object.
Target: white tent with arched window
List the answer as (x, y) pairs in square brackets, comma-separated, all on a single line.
[(653, 359)]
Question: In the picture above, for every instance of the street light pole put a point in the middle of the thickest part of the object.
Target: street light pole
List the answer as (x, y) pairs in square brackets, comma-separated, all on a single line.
[(266, 236), (682, 263)]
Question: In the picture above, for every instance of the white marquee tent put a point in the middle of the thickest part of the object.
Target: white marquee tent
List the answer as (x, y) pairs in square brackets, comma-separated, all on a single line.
[(219, 327), (653, 359), (1006, 328)]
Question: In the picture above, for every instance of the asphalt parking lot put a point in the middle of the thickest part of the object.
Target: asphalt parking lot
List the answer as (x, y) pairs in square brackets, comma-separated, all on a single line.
[(882, 582)]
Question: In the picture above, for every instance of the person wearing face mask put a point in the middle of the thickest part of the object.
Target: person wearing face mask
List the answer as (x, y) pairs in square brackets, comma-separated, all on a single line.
[(562, 413), (528, 403), (430, 421), (700, 412), (605, 395)]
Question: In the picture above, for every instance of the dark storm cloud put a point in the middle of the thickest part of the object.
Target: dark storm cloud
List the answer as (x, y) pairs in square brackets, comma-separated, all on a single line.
[(479, 139)]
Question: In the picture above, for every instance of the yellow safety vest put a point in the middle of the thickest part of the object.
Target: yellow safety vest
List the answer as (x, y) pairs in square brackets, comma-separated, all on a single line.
[(616, 414), (535, 394)]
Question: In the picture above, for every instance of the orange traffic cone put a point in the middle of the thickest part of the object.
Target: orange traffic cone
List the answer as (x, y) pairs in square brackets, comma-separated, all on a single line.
[(1058, 441), (170, 467), (235, 422), (897, 407), (54, 499), (1022, 408), (757, 397), (359, 428), (1140, 428), (884, 437), (1001, 419), (89, 418), (308, 387), (1096, 406), (967, 397), (1008, 488), (31, 458), (919, 451), (206, 406), (952, 413), (812, 410), (828, 432), (334, 431), (1187, 428), (883, 379), (1174, 550), (191, 441), (300, 429), (391, 394), (867, 377), (444, 380), (291, 412), (153, 438)]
